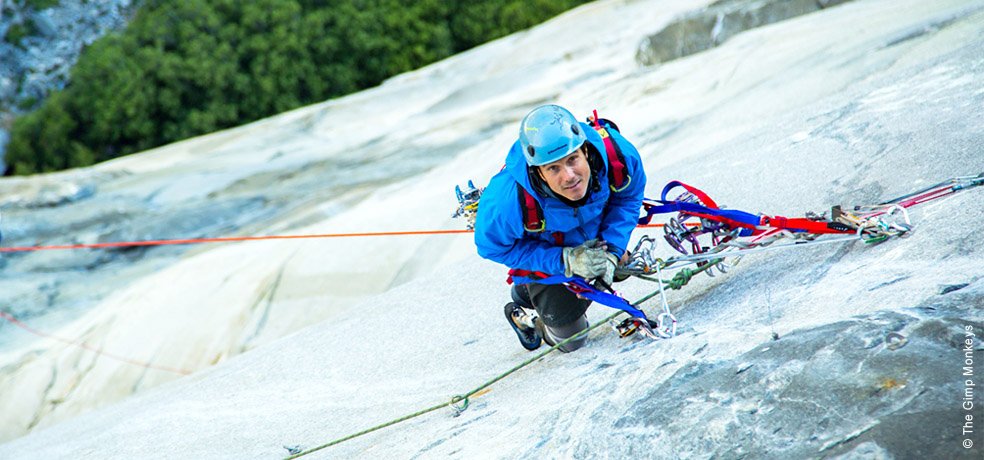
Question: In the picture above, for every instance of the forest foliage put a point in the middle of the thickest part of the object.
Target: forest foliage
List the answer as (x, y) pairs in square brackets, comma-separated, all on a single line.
[(190, 67)]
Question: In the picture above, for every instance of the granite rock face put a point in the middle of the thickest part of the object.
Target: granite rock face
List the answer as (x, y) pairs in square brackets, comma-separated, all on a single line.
[(39, 62), (47, 43), (889, 381), (709, 27)]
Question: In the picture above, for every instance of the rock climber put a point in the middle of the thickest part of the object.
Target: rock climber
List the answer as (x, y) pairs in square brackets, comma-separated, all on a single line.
[(565, 203)]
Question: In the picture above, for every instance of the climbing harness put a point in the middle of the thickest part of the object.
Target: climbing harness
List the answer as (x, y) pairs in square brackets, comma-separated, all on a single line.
[(579, 286), (618, 172)]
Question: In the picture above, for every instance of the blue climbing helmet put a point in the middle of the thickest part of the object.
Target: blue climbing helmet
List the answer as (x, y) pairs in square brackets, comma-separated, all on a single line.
[(549, 133)]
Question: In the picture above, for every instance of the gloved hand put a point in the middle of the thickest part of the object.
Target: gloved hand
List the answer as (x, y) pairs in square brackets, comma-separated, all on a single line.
[(609, 274), (590, 260)]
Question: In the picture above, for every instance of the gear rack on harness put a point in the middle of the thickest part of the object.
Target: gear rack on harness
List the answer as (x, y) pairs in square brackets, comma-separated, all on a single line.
[(467, 203), (697, 215)]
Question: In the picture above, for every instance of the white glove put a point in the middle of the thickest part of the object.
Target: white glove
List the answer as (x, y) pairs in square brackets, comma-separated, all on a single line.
[(609, 274), (589, 260)]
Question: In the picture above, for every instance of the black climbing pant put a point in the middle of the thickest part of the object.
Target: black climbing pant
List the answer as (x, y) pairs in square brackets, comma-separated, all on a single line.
[(560, 310)]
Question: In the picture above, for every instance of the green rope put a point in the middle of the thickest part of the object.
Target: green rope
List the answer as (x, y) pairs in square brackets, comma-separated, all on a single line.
[(460, 402), (682, 277), (875, 239)]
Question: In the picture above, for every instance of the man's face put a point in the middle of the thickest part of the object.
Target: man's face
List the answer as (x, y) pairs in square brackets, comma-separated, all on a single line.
[(568, 176)]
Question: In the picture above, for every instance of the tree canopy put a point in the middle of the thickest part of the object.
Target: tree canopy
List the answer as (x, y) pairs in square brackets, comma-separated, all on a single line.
[(186, 68)]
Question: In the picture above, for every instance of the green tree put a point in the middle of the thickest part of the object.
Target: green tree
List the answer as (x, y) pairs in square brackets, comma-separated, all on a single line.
[(182, 69), (41, 141)]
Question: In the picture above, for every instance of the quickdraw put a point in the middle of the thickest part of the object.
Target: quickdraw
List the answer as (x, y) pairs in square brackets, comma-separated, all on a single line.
[(664, 327)]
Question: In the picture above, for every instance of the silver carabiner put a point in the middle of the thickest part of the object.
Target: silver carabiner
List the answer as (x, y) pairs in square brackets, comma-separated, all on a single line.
[(666, 331)]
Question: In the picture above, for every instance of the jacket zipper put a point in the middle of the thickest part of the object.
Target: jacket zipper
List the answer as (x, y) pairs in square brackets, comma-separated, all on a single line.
[(580, 225)]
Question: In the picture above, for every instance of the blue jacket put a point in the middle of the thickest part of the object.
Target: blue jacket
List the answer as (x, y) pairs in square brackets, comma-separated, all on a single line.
[(610, 216)]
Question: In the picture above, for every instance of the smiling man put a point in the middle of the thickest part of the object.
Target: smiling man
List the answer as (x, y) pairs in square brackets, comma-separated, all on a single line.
[(565, 204)]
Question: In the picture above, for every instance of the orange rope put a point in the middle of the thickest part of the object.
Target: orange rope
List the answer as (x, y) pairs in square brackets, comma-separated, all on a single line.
[(122, 244), (83, 345)]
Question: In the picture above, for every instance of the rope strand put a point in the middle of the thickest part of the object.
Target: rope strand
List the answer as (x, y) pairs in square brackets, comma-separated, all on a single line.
[(463, 399), (98, 351), (169, 242)]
